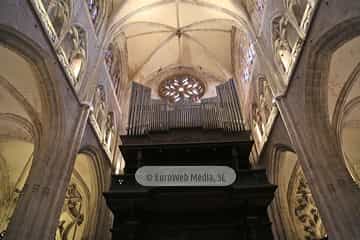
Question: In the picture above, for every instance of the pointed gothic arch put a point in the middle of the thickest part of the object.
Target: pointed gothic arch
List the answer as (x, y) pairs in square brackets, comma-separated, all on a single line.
[(28, 115), (293, 207), (82, 201)]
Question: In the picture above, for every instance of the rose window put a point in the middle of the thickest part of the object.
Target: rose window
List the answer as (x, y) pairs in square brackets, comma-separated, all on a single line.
[(181, 88)]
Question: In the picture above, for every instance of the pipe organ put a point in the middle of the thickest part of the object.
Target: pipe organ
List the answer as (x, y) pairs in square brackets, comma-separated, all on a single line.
[(173, 186), (149, 115)]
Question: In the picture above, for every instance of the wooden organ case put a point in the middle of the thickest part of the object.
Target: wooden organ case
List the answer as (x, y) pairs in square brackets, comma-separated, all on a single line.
[(206, 134)]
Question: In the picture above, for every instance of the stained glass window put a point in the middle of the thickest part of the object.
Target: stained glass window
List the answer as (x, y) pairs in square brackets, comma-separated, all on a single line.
[(249, 61), (182, 88), (93, 9)]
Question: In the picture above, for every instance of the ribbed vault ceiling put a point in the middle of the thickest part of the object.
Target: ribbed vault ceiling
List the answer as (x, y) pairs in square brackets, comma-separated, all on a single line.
[(178, 32)]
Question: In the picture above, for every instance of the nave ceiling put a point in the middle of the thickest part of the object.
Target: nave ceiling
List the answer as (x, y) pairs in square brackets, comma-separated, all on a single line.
[(163, 33)]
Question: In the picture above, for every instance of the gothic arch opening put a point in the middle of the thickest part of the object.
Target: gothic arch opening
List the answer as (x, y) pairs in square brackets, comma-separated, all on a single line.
[(333, 107), (16, 156), (21, 111), (297, 216), (82, 198), (304, 213), (350, 137), (74, 46), (343, 102)]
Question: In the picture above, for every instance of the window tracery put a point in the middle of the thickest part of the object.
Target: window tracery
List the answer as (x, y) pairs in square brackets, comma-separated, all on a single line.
[(247, 58), (249, 62), (181, 88)]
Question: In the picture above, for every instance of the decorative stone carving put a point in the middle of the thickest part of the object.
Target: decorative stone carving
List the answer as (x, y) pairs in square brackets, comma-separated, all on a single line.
[(282, 46), (109, 131), (307, 218), (99, 106), (263, 112), (52, 34), (112, 61), (65, 63), (71, 215), (257, 125), (8, 204), (45, 20), (265, 98), (59, 14), (299, 12), (77, 55)]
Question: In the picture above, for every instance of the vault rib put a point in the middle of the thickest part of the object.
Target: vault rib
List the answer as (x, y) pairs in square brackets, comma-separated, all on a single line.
[(208, 30), (147, 23), (224, 20), (147, 33)]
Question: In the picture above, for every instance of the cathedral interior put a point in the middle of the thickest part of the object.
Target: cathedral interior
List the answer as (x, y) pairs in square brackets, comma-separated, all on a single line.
[(93, 90)]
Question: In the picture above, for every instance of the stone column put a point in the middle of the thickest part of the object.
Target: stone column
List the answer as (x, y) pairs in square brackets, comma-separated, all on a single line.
[(37, 213), (334, 192)]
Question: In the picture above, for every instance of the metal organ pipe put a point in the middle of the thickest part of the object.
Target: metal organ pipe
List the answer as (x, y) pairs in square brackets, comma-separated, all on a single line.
[(220, 112)]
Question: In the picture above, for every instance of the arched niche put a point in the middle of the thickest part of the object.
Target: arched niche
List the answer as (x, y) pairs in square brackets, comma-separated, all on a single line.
[(16, 157), (109, 136), (78, 216), (21, 110), (297, 216), (343, 97), (75, 48), (59, 14), (99, 104), (284, 38), (284, 164), (113, 63), (350, 138)]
